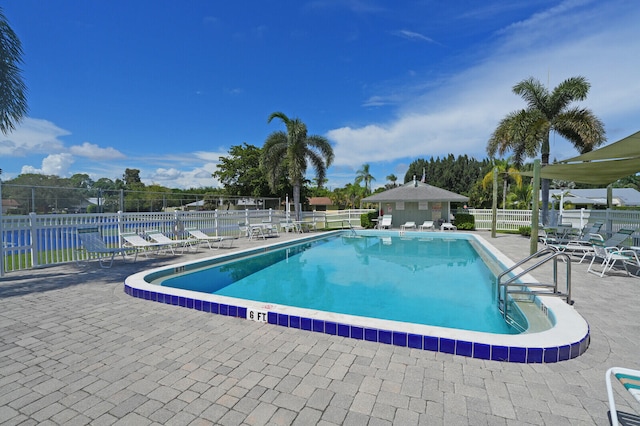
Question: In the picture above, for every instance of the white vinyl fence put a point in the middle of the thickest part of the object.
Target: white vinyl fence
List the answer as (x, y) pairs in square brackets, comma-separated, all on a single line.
[(30, 241)]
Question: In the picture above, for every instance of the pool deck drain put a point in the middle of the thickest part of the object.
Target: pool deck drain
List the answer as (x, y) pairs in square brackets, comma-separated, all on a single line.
[(75, 349)]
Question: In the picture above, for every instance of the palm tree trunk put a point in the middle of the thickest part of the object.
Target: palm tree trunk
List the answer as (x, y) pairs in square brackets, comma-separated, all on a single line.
[(504, 195), (296, 200), (544, 187)]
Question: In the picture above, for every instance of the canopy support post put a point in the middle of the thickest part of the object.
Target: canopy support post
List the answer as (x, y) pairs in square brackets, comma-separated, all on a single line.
[(494, 204), (535, 208)]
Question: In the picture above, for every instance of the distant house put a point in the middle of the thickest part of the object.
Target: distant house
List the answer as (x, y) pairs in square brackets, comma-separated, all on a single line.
[(320, 203), (598, 196), (9, 205)]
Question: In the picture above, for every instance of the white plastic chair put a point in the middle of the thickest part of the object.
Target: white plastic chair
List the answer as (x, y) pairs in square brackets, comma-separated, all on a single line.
[(427, 224), (407, 225), (201, 237), (630, 379)]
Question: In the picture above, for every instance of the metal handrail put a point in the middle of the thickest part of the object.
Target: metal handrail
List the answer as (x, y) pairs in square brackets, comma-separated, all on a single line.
[(549, 254)]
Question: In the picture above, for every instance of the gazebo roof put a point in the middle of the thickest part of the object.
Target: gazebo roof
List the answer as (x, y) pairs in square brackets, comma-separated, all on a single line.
[(416, 191)]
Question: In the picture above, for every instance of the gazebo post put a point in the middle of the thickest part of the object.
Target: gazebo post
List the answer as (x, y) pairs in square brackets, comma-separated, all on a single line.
[(494, 204), (535, 213)]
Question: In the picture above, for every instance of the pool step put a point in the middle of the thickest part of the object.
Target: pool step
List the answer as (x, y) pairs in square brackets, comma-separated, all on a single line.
[(532, 311)]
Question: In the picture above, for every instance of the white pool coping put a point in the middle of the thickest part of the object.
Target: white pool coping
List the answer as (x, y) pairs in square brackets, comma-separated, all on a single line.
[(566, 339)]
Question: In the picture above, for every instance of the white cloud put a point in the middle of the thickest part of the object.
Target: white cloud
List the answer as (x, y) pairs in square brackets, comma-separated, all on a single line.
[(459, 116), (411, 35), (173, 178), (210, 156), (94, 152), (54, 164), (32, 136)]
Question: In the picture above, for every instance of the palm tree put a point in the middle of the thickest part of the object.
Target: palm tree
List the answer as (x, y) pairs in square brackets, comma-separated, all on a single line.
[(521, 196), (288, 152), (365, 175), (505, 170), (392, 178), (13, 99), (526, 132)]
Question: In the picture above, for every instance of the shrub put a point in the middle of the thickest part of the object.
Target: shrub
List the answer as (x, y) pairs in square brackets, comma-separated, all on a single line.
[(525, 231), (366, 220), (465, 221)]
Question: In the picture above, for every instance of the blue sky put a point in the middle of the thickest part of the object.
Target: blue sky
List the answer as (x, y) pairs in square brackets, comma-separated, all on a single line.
[(168, 87)]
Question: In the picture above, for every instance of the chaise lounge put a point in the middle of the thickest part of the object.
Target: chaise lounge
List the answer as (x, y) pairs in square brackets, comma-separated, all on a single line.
[(201, 237), (630, 379), (94, 245)]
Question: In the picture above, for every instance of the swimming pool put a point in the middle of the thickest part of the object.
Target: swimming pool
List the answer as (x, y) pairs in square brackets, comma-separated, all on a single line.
[(383, 266)]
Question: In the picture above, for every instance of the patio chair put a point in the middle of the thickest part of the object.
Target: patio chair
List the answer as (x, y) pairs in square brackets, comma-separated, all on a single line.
[(385, 223), (585, 247), (133, 239), (630, 379), (447, 226), (287, 225), (427, 224), (160, 238), (610, 256), (270, 228), (94, 245), (545, 237), (407, 225), (208, 239)]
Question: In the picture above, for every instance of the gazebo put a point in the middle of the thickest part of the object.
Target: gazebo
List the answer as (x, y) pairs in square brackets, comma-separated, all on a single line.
[(416, 201)]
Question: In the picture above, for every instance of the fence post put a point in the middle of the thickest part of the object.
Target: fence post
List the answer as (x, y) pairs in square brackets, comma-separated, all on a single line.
[(215, 221), (33, 239), (120, 220)]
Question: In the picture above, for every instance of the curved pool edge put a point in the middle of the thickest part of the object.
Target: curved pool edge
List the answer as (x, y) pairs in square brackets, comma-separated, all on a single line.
[(567, 339)]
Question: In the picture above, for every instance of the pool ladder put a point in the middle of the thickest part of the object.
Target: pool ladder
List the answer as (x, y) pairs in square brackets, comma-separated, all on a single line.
[(510, 291), (352, 232)]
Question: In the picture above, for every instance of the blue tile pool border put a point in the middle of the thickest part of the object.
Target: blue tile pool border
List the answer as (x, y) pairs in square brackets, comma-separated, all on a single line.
[(460, 347), (390, 337)]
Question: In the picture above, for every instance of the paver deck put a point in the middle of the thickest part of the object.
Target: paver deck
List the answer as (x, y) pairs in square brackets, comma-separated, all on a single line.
[(74, 349)]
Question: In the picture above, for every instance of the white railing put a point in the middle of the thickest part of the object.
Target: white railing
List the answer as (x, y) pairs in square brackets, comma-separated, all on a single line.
[(512, 220), (506, 220), (32, 240)]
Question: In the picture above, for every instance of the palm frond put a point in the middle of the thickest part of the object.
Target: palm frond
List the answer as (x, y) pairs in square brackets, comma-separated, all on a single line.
[(582, 128)]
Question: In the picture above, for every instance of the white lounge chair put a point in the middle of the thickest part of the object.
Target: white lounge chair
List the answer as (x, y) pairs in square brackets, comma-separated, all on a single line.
[(94, 245), (385, 223), (160, 238), (630, 379), (204, 238), (132, 239), (407, 225), (446, 226), (427, 224)]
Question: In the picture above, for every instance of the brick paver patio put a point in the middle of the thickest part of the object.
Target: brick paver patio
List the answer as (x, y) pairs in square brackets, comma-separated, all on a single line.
[(74, 349)]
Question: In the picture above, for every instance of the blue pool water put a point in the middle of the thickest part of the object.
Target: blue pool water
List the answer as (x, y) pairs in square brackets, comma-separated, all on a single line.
[(434, 281)]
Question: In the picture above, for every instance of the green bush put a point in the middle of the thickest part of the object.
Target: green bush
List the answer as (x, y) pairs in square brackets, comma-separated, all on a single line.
[(525, 231), (465, 221), (366, 220)]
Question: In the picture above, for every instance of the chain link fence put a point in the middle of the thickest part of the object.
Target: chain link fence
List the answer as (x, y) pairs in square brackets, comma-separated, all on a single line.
[(25, 199)]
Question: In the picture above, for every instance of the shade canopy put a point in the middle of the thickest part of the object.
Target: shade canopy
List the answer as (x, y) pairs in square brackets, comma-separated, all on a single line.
[(601, 166)]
